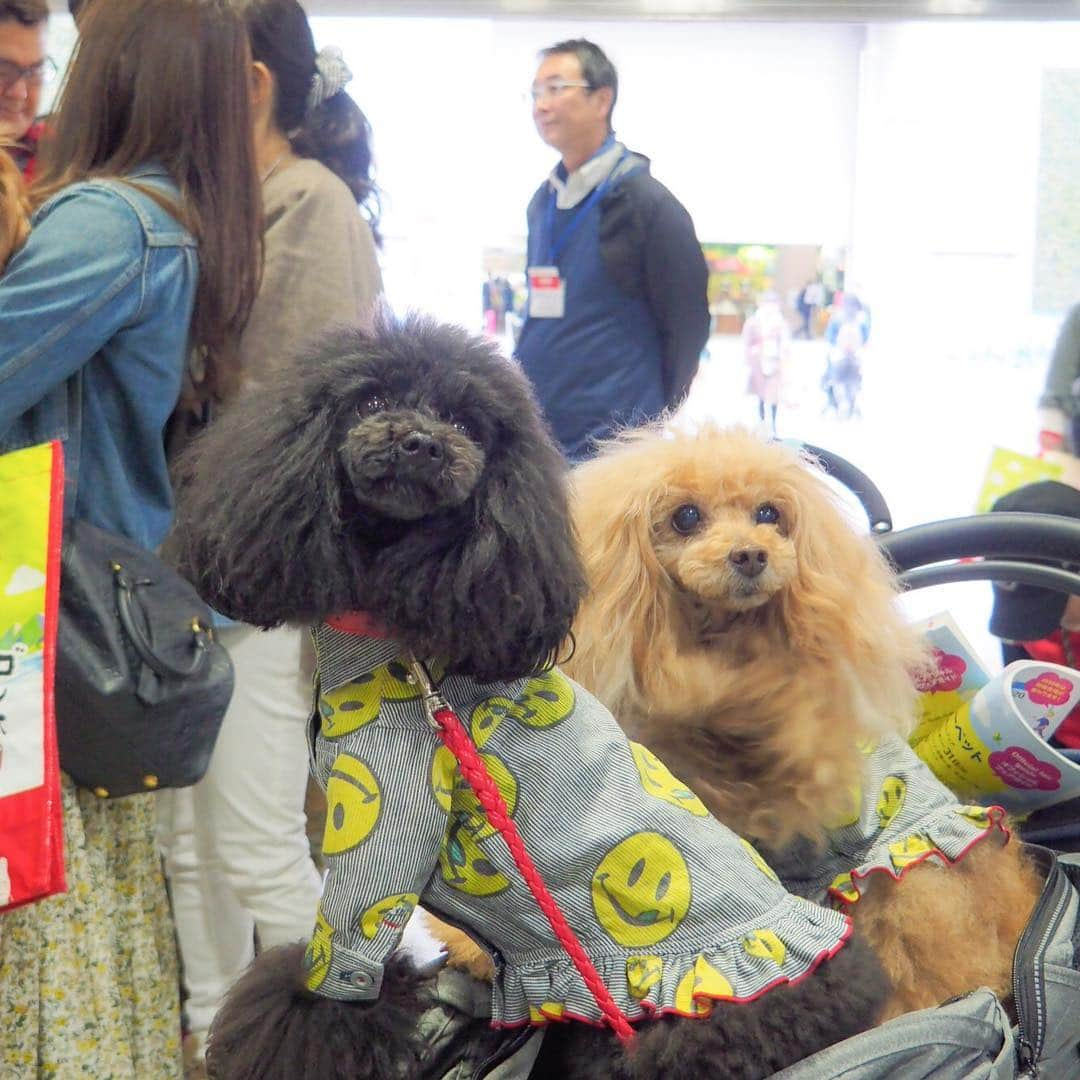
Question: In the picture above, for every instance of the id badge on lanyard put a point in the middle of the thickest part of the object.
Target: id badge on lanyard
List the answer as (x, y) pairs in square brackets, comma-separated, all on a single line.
[(547, 286), (547, 293)]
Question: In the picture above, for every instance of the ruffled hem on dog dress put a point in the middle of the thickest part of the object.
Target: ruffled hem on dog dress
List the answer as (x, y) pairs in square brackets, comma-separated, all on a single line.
[(786, 947), (672, 907), (902, 815)]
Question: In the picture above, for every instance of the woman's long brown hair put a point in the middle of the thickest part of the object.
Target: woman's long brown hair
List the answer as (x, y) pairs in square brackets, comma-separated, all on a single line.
[(168, 82)]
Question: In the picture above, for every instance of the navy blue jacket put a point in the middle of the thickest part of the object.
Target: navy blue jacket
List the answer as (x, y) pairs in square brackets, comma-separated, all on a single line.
[(637, 312)]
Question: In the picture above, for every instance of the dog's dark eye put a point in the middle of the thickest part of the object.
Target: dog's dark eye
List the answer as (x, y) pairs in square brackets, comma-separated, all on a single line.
[(686, 519), (371, 405), (766, 514), (464, 429)]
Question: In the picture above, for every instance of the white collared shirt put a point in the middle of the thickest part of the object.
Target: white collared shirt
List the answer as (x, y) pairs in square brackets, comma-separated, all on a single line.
[(571, 191)]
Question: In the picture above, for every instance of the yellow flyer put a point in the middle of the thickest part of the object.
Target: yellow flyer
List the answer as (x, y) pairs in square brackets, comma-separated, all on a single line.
[(956, 676), (994, 748), (1008, 471)]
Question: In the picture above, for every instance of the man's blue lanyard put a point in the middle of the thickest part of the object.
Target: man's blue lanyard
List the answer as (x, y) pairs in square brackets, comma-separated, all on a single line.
[(554, 247)]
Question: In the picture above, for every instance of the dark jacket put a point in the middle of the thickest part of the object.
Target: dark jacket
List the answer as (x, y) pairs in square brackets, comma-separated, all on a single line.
[(656, 282)]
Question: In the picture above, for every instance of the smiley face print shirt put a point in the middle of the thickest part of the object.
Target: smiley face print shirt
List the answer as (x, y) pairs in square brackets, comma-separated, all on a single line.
[(674, 910), (901, 815)]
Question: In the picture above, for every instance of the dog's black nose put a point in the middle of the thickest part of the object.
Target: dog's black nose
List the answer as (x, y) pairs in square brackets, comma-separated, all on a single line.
[(749, 561), (421, 446)]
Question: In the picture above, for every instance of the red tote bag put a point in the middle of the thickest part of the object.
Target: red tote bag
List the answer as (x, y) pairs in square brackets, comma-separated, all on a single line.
[(31, 527)]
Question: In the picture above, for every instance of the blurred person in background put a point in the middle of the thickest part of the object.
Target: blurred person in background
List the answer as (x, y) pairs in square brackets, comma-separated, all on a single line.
[(617, 314), (237, 852), (24, 69), (847, 333), (810, 302), (766, 342), (1059, 405), (144, 247)]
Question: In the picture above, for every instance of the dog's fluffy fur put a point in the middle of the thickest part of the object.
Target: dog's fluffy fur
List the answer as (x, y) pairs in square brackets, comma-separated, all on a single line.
[(753, 653), (303, 505), (299, 1034), (305, 501), (14, 209)]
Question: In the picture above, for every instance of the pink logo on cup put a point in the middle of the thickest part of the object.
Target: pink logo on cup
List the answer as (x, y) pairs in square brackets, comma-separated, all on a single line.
[(946, 673), (1020, 768), (1048, 689)]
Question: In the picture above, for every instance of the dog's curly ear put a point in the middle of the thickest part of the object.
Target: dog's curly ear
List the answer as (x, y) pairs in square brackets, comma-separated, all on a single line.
[(259, 505), (626, 616), (843, 602)]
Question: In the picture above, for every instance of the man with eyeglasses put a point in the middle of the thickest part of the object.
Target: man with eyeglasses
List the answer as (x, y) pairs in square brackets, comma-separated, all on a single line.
[(618, 312), (24, 68)]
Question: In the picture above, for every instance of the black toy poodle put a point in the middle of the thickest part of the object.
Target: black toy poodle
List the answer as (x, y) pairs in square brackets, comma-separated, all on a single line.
[(398, 491)]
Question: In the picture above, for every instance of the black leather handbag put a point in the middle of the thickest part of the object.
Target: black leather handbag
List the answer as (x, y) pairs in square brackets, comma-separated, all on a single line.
[(141, 684)]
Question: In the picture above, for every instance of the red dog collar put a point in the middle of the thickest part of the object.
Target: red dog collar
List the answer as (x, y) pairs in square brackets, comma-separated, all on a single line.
[(357, 622)]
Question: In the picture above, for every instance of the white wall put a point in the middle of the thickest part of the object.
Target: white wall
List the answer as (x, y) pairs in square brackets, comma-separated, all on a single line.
[(916, 144), (752, 126), (945, 206)]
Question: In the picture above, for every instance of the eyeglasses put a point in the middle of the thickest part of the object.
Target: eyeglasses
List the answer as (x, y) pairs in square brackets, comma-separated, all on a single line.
[(44, 71), (555, 88)]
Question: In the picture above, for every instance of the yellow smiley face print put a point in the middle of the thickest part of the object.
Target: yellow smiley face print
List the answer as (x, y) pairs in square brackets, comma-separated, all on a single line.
[(642, 974), (353, 805), (641, 890), (909, 850), (766, 944), (318, 953), (464, 865), (891, 800), (392, 911), (466, 805), (349, 707), (658, 782), (444, 774), (843, 887), (548, 1010), (546, 700), (486, 718), (758, 859), (977, 815), (699, 986)]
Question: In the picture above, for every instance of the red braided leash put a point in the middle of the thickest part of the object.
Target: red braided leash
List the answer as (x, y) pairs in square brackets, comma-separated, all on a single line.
[(456, 738)]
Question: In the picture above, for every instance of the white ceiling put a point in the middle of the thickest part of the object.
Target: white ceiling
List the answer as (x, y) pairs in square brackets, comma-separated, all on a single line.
[(794, 10)]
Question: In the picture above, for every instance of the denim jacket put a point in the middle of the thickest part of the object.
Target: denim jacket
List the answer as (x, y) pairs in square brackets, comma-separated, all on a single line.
[(95, 313)]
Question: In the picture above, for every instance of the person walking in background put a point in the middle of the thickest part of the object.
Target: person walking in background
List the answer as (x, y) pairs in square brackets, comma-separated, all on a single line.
[(766, 346), (847, 333), (24, 69), (236, 846), (144, 246), (617, 313), (1059, 405)]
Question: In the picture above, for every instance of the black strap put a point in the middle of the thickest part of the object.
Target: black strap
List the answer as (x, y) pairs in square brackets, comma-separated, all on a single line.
[(126, 602)]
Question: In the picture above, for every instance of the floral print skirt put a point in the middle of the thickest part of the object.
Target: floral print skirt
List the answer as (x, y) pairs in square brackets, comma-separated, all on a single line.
[(88, 979)]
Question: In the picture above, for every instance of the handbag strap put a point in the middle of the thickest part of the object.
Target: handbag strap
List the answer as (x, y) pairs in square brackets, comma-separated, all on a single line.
[(454, 736), (126, 600)]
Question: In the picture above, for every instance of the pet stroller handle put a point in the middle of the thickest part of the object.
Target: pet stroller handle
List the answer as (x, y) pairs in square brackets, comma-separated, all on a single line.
[(855, 480), (1011, 570), (1012, 536)]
